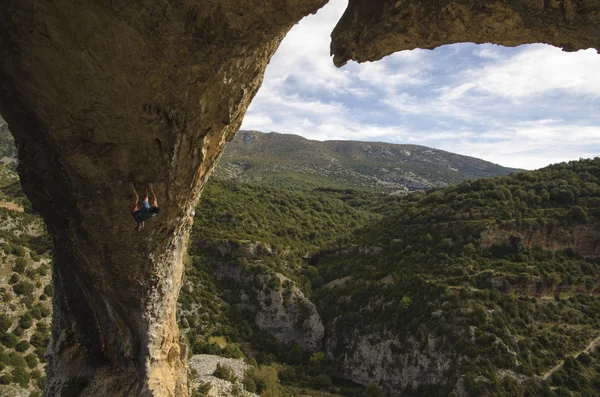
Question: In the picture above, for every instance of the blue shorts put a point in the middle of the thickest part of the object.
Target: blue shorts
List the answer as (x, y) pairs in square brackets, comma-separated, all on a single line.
[(136, 216), (138, 213)]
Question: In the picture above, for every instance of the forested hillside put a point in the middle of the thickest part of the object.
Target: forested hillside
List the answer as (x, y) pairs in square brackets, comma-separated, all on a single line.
[(480, 288), (25, 292), (486, 288), (292, 161)]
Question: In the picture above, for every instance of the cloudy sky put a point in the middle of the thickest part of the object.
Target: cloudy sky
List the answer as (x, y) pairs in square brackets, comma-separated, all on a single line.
[(523, 107)]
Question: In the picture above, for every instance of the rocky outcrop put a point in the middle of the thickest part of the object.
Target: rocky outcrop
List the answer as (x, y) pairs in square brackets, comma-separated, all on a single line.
[(239, 248), (96, 93), (8, 152), (93, 94), (372, 29), (204, 365), (288, 315), (384, 359), (279, 306), (582, 239)]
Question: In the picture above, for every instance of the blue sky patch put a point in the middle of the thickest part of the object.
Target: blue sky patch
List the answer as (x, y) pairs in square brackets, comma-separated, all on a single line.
[(523, 107)]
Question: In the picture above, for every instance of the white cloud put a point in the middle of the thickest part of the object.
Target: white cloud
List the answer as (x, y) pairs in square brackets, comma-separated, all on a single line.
[(532, 145), (385, 77), (304, 54), (488, 52), (256, 120), (539, 69)]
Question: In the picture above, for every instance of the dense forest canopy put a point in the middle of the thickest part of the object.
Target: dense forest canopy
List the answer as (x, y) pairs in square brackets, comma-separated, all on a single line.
[(493, 281)]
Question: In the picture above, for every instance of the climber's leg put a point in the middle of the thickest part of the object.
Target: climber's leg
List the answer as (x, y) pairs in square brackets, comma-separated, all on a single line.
[(154, 201), (134, 206)]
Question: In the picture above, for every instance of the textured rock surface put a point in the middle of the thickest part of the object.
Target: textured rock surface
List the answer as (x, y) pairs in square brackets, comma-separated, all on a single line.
[(372, 29), (279, 306), (582, 239), (95, 92), (204, 365), (384, 360), (289, 316)]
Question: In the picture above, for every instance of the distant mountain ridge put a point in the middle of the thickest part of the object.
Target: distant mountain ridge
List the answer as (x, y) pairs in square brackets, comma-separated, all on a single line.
[(293, 161)]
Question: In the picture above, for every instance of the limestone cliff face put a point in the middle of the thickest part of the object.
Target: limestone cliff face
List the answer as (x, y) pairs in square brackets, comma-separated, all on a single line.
[(95, 92), (278, 305), (582, 239), (288, 315), (372, 29), (385, 360)]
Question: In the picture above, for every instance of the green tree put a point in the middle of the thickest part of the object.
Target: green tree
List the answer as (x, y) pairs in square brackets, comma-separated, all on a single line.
[(5, 323), (322, 381), (26, 321), (225, 372), (22, 346), (20, 376), (9, 340)]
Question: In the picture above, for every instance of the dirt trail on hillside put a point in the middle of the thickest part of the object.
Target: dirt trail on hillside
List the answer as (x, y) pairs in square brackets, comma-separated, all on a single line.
[(591, 347), (11, 206)]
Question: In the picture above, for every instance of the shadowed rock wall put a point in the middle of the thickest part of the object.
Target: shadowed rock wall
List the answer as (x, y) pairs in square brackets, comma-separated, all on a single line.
[(96, 90), (372, 29)]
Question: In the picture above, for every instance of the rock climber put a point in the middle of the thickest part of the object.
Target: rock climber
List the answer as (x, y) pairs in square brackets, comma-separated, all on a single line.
[(144, 212)]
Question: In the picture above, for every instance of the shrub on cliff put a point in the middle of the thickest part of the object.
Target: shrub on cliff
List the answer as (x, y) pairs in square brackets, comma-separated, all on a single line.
[(202, 390), (5, 323), (23, 288), (20, 265), (31, 361), (22, 346), (225, 372), (9, 340), (26, 321), (20, 376)]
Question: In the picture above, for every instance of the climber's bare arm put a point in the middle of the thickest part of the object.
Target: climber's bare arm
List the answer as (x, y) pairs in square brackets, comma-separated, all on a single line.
[(154, 201), (136, 199)]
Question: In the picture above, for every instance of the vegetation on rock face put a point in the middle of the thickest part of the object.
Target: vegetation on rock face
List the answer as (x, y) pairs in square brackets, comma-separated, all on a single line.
[(225, 372), (25, 275), (202, 390), (424, 279), (8, 151), (480, 279), (419, 275)]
